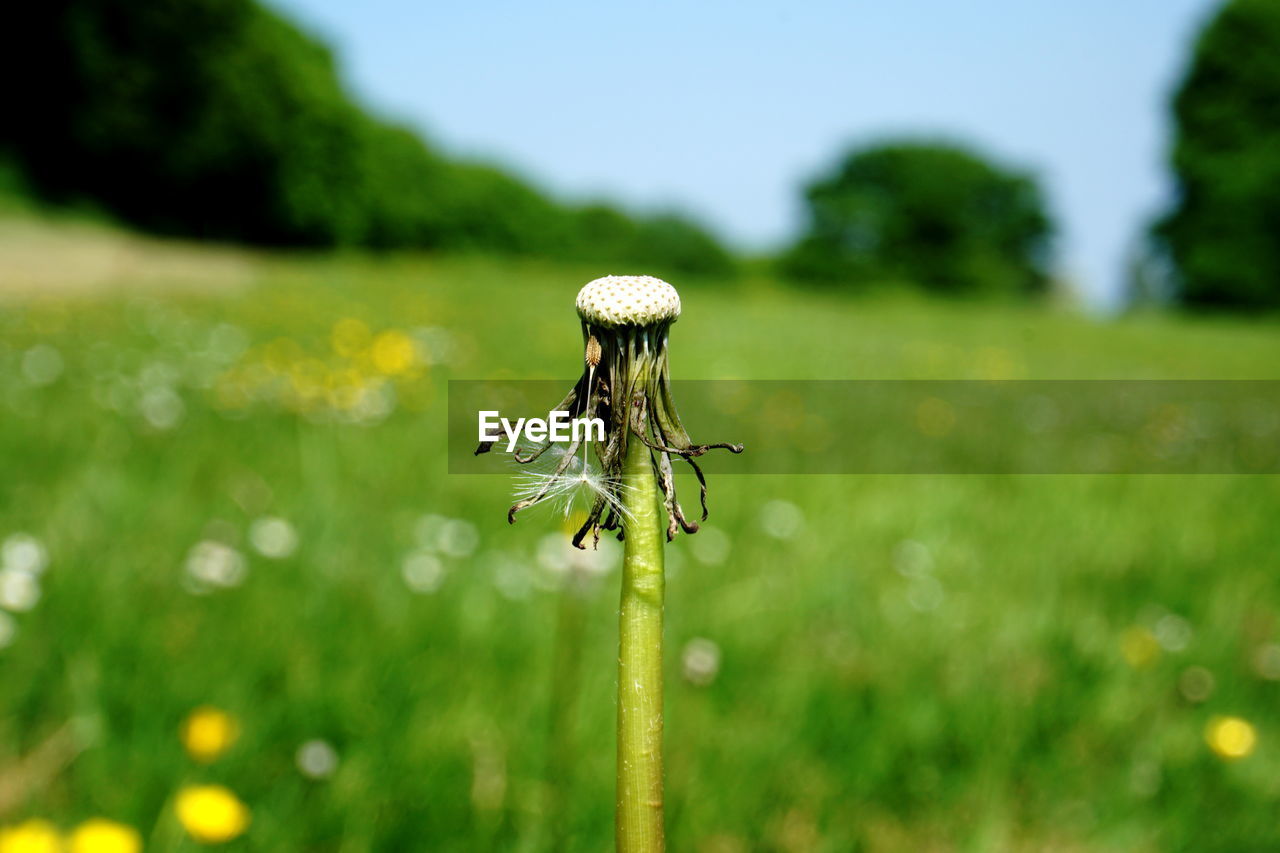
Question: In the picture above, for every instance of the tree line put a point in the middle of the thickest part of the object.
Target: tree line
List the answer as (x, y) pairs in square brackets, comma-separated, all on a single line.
[(221, 119)]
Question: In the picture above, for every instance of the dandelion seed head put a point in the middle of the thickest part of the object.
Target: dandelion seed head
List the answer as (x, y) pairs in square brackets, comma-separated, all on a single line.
[(24, 553), (628, 300), (317, 759), (19, 591), (213, 564), (274, 538)]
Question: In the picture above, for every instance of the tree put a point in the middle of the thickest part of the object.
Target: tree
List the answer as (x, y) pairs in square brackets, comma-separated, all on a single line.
[(221, 119), (1223, 231), (935, 215)]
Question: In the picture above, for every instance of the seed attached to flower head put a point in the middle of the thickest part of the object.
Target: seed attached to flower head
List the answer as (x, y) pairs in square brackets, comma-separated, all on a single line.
[(626, 383)]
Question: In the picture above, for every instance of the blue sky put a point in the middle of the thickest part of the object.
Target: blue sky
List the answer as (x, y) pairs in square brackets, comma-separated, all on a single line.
[(724, 109)]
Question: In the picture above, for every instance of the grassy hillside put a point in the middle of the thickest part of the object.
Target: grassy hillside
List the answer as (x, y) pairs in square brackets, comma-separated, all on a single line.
[(855, 663)]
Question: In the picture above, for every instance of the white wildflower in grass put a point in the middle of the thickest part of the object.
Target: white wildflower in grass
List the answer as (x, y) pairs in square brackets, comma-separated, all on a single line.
[(427, 530), (316, 759), (912, 558), (42, 365), (700, 661), (161, 407), (435, 344), (1172, 632), (563, 564), (23, 553), (925, 593), (457, 538), (8, 630), (274, 538), (1266, 661), (511, 578), (19, 591), (453, 537), (226, 343), (781, 519), (374, 401), (214, 565), (422, 571)]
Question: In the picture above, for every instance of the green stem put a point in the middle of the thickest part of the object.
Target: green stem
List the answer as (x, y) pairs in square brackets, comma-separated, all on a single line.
[(639, 818)]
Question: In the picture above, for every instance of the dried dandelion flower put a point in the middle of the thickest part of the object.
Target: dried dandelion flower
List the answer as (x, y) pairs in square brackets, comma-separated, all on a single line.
[(626, 383)]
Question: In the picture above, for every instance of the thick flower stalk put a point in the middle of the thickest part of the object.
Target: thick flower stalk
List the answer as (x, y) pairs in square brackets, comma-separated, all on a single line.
[(626, 383)]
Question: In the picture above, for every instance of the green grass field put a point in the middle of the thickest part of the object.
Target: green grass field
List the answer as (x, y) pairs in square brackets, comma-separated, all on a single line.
[(959, 663)]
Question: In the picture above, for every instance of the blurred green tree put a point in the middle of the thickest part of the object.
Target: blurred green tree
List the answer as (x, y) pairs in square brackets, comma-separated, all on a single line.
[(932, 214), (1223, 232), (221, 119)]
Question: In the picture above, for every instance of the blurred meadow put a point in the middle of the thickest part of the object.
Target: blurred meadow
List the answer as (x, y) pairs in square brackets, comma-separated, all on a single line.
[(231, 492)]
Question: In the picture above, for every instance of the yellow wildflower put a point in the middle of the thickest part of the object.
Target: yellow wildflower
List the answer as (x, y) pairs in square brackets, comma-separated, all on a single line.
[(1139, 647), (394, 352), (104, 836), (208, 732), (32, 836), (211, 813), (1231, 737)]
